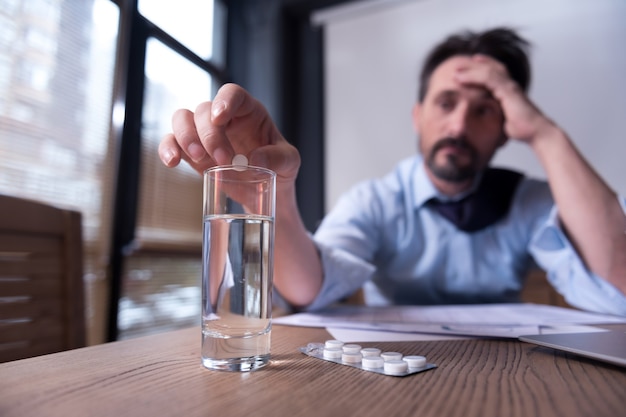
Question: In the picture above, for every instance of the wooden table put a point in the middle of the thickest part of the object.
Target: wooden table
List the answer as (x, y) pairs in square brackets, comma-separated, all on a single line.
[(161, 376)]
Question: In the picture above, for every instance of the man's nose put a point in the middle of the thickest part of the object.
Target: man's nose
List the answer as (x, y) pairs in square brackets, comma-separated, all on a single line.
[(457, 122)]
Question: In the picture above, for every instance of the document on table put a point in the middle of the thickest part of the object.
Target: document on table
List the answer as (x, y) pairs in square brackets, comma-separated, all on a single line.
[(486, 320)]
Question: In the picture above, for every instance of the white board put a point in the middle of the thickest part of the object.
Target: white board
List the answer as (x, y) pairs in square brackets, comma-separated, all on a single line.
[(373, 55)]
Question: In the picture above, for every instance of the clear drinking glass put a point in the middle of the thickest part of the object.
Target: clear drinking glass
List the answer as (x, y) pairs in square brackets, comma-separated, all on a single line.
[(238, 255)]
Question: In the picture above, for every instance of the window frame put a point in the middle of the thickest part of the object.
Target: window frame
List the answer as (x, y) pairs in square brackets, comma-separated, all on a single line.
[(134, 32)]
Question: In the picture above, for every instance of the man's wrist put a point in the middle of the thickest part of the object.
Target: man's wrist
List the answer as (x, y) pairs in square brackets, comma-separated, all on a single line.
[(548, 138)]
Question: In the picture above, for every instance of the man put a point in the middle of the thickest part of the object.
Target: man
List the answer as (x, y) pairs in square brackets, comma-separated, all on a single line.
[(442, 227)]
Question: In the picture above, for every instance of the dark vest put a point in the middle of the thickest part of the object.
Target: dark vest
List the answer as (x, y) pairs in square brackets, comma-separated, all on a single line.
[(485, 206)]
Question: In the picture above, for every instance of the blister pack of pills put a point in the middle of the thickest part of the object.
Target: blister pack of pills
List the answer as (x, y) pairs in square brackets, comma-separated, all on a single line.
[(368, 359)]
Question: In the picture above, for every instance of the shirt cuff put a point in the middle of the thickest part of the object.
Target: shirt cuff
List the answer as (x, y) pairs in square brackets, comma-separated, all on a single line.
[(344, 274)]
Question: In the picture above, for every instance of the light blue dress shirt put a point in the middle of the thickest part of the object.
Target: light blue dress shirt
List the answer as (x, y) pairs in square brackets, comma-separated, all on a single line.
[(382, 237)]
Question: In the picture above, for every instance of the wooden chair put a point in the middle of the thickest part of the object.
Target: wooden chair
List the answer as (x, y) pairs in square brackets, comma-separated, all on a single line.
[(41, 284)]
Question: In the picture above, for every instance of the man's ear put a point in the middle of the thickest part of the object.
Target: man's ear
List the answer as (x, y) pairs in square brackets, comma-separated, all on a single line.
[(415, 116)]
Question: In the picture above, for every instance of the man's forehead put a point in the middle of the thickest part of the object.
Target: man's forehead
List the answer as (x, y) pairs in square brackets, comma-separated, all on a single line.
[(453, 63), (443, 82)]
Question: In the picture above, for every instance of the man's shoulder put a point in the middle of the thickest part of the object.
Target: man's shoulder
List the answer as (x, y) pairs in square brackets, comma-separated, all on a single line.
[(387, 196), (507, 193), (533, 192), (534, 185)]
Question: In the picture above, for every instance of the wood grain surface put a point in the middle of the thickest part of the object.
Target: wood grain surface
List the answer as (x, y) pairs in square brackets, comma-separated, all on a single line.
[(161, 375)]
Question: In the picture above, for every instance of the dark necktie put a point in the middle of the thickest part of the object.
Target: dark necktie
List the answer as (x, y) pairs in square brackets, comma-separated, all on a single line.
[(485, 206)]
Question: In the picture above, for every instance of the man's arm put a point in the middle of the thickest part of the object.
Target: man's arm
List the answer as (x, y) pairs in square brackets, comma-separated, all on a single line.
[(589, 209), (236, 123)]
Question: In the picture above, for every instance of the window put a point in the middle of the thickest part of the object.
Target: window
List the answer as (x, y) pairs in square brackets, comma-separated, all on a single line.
[(188, 21), (60, 118), (160, 286), (55, 114)]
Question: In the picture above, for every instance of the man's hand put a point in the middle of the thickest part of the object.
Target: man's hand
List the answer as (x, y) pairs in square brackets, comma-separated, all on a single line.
[(588, 208), (236, 123), (523, 120), (233, 123)]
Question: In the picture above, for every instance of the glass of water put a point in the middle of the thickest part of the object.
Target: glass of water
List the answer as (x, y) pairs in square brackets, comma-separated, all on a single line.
[(238, 254)]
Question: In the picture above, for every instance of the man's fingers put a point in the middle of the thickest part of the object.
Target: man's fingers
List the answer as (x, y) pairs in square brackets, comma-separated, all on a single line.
[(486, 71), (171, 155), (212, 137), (169, 152), (231, 101), (282, 158), (233, 123), (187, 137)]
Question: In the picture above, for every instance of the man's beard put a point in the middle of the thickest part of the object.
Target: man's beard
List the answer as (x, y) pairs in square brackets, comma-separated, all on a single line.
[(451, 170)]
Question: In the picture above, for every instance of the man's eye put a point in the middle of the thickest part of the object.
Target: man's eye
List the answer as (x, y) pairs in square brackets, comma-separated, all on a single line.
[(484, 111), (446, 104)]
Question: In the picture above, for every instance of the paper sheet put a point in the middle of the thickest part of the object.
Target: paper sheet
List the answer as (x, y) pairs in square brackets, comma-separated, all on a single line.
[(488, 320), (356, 335)]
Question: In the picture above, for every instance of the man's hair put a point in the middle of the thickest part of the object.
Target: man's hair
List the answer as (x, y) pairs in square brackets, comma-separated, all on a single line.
[(503, 44)]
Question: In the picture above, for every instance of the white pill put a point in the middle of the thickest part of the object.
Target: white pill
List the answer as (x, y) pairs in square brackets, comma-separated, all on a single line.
[(391, 356), (370, 352), (240, 160), (352, 348), (415, 361), (332, 353), (372, 362), (336, 344), (348, 357), (396, 366)]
